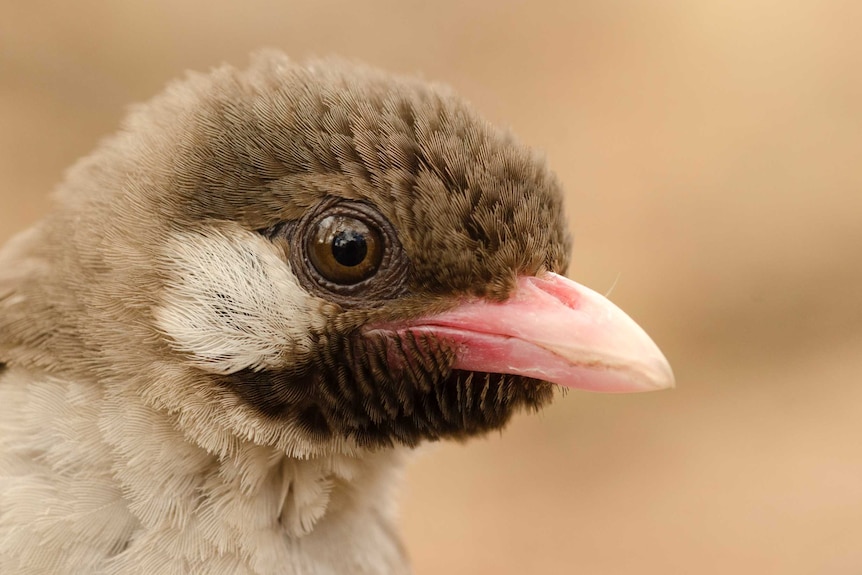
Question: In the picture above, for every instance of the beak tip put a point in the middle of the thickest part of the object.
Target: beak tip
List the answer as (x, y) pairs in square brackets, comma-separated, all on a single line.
[(660, 376)]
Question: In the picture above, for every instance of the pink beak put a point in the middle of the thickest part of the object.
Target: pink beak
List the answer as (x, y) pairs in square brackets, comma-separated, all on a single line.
[(556, 330)]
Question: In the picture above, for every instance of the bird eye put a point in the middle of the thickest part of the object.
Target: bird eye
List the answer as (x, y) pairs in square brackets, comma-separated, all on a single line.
[(344, 250)]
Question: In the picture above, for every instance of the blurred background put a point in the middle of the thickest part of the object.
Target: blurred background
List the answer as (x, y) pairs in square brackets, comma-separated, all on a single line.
[(712, 155)]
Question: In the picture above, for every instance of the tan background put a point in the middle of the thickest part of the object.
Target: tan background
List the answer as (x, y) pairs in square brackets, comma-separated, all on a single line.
[(711, 152)]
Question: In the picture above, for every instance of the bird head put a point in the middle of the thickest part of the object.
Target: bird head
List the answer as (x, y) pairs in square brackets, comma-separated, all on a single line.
[(321, 258)]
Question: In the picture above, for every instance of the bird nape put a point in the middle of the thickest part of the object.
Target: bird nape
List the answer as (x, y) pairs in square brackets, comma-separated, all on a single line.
[(248, 304)]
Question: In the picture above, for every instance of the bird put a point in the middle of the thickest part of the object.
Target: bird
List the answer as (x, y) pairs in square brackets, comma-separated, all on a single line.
[(248, 306)]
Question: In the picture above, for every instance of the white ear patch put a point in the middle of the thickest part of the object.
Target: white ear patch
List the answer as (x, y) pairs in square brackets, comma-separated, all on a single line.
[(232, 303)]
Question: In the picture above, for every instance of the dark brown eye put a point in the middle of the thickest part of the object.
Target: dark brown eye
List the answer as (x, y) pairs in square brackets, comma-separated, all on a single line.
[(344, 250)]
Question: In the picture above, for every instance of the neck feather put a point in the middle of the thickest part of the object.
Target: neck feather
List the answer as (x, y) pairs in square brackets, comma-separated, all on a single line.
[(151, 501)]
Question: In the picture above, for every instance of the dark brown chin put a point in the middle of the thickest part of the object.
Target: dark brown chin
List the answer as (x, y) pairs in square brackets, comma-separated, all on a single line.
[(382, 392), (465, 405)]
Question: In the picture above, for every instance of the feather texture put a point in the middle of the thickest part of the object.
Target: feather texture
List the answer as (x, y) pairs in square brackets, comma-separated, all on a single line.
[(180, 397)]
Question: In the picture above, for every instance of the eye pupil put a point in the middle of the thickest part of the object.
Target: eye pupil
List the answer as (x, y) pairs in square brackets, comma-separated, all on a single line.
[(349, 248)]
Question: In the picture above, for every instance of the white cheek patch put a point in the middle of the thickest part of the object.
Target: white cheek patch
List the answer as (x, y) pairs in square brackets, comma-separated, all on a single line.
[(231, 303)]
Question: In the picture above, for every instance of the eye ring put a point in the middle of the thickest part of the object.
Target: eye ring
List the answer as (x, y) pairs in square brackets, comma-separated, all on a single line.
[(367, 283)]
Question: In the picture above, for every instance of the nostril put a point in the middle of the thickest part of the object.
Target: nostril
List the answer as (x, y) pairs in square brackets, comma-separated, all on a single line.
[(553, 284)]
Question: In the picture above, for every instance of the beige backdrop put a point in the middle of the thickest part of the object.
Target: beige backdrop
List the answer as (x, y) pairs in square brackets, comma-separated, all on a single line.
[(711, 153)]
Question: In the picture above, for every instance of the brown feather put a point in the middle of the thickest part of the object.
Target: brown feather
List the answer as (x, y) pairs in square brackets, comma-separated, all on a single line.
[(162, 349)]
